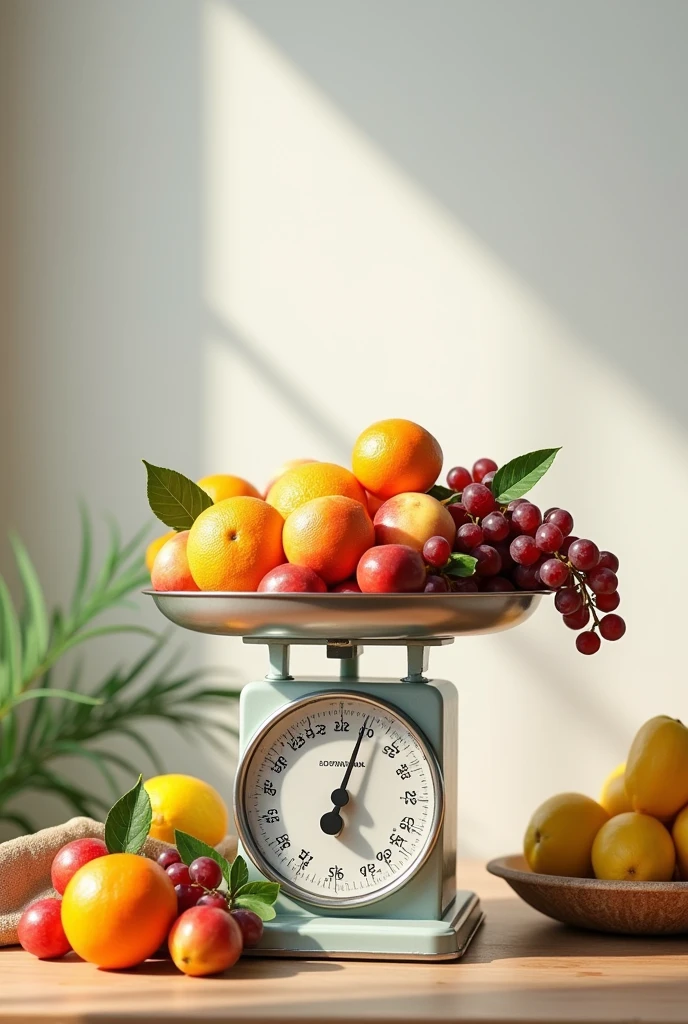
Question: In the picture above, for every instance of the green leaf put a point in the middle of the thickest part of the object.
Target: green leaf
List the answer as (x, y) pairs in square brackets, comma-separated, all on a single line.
[(175, 500), (444, 494), (189, 848), (238, 876), (517, 477), (36, 628), (264, 911), (10, 642), (84, 559), (265, 891), (129, 821), (51, 691), (460, 565)]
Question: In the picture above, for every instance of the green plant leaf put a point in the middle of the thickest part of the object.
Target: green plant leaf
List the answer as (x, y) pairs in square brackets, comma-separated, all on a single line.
[(35, 625), (444, 494), (238, 876), (264, 911), (460, 565), (129, 821), (175, 500), (45, 691), (265, 891), (189, 848), (10, 643), (84, 559), (517, 477)]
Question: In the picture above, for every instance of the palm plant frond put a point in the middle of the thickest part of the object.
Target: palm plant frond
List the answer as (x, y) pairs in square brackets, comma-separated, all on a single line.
[(66, 720)]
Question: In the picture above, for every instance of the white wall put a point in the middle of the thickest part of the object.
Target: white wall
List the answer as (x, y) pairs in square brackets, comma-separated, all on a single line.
[(243, 231)]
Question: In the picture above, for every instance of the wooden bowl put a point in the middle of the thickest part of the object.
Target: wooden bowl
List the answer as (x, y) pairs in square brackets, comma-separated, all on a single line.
[(625, 908)]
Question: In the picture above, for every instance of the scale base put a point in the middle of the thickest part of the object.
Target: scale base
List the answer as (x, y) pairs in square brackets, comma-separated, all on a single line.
[(340, 938)]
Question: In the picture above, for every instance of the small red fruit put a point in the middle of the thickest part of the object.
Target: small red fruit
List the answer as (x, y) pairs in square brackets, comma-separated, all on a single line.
[(40, 929), (482, 467), (291, 579), (391, 569), (205, 940), (458, 478), (347, 587), (71, 857), (436, 551), (179, 873), (251, 926)]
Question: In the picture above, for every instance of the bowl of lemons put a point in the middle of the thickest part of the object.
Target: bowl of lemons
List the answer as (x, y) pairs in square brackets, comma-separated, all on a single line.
[(619, 864)]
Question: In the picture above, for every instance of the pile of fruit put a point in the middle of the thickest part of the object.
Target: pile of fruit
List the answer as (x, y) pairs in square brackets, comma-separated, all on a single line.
[(116, 908), (638, 831), (385, 526)]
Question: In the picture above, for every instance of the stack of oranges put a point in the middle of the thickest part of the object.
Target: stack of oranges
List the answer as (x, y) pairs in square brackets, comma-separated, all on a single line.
[(316, 524)]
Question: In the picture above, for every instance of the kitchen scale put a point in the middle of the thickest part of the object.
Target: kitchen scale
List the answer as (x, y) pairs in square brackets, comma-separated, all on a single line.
[(346, 787)]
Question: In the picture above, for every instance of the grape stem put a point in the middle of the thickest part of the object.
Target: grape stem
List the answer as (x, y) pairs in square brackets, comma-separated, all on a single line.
[(587, 599)]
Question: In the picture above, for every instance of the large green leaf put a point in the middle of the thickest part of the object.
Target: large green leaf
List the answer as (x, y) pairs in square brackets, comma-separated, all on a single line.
[(517, 477), (175, 500), (129, 821)]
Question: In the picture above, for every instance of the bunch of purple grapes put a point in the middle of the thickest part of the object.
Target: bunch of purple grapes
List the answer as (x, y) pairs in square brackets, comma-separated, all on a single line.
[(519, 548)]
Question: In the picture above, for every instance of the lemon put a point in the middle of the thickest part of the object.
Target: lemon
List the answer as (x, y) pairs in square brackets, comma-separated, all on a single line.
[(680, 836), (188, 804), (633, 847), (657, 768), (614, 797), (560, 835)]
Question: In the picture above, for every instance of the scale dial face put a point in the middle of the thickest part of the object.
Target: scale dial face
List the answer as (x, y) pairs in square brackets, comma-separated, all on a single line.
[(334, 835)]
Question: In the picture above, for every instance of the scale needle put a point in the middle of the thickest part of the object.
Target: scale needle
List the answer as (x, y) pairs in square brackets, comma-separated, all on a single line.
[(331, 822)]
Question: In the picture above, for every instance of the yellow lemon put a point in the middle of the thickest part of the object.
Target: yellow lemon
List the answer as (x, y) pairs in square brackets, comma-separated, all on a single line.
[(188, 804), (223, 485), (155, 546), (614, 797), (657, 768), (633, 847), (680, 836), (560, 835)]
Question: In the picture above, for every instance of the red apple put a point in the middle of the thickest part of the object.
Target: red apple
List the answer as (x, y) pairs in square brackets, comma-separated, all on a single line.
[(71, 857), (171, 566), (40, 929), (413, 518), (205, 940), (391, 569), (292, 579), (347, 587)]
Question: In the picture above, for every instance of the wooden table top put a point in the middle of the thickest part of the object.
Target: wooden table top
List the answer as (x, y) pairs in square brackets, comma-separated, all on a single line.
[(520, 967)]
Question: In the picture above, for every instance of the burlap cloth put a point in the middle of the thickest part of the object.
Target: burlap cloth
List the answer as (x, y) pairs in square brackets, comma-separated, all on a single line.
[(25, 866)]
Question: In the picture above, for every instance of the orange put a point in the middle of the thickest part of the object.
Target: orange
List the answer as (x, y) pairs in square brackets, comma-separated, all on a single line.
[(284, 468), (223, 485), (118, 909), (394, 456), (154, 547), (313, 480), (329, 535), (234, 543)]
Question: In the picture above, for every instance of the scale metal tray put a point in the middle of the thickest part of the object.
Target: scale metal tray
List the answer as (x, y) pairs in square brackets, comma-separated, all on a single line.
[(346, 616)]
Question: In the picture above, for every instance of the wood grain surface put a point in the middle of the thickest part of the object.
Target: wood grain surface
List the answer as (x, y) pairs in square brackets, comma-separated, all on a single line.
[(521, 967)]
